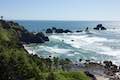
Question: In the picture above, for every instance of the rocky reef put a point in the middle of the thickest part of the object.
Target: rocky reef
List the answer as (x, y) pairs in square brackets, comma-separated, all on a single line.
[(100, 27), (55, 30)]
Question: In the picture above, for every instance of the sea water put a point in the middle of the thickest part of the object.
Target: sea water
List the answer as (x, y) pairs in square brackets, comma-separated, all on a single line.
[(98, 46)]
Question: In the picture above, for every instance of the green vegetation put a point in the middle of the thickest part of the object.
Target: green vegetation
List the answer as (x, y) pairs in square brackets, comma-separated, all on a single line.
[(71, 76), (17, 64)]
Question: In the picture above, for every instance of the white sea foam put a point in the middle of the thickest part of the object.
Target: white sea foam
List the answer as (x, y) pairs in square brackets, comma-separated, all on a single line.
[(29, 49), (54, 49), (79, 45), (95, 44)]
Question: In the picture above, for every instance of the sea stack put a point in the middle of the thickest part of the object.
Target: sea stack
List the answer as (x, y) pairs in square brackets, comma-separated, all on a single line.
[(99, 27)]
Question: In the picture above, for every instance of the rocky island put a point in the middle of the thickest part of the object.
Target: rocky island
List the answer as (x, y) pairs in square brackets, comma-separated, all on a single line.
[(99, 27)]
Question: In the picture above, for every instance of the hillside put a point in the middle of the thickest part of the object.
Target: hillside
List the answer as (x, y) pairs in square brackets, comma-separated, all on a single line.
[(17, 64)]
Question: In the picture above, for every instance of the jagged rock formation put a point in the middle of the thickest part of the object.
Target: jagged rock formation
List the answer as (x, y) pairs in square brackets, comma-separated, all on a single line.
[(55, 30), (99, 27)]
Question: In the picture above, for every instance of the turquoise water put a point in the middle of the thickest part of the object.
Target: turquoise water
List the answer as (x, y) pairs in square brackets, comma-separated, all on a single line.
[(98, 46)]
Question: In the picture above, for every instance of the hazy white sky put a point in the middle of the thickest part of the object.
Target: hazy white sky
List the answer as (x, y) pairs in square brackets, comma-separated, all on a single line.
[(60, 9)]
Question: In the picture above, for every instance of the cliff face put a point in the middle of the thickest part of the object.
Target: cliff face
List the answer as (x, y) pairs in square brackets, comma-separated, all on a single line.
[(15, 62)]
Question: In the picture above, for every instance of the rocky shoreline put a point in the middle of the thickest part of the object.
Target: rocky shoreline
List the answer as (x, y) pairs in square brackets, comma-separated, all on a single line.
[(105, 70), (59, 30), (92, 69)]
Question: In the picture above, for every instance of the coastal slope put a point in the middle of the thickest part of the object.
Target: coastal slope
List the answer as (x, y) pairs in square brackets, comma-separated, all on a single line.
[(17, 64)]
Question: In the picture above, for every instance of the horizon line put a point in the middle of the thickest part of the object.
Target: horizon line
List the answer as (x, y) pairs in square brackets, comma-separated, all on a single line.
[(55, 20)]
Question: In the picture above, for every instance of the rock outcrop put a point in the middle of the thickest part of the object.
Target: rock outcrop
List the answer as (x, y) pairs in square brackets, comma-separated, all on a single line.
[(99, 27), (55, 30), (49, 30), (24, 35)]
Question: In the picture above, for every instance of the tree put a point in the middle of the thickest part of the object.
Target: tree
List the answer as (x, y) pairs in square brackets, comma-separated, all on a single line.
[(1, 17)]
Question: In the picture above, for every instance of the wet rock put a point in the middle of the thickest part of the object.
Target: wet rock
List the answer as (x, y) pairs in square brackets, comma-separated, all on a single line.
[(30, 38), (79, 31), (67, 31), (55, 30), (99, 27), (49, 30), (86, 30), (103, 28), (59, 31), (40, 34)]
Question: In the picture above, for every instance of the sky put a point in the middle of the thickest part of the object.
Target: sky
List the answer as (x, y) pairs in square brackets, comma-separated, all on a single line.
[(60, 9)]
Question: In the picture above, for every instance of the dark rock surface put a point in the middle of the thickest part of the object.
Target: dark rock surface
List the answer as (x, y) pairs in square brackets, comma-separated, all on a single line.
[(49, 30), (55, 30), (100, 27), (30, 38), (40, 34), (67, 31), (79, 31), (27, 37)]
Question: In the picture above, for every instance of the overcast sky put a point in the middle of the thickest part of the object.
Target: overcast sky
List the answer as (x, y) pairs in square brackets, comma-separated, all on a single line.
[(60, 9)]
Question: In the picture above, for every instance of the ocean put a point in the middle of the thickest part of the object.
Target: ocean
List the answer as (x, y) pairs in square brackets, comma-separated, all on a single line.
[(98, 46)]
